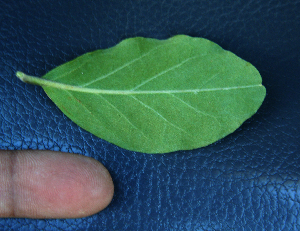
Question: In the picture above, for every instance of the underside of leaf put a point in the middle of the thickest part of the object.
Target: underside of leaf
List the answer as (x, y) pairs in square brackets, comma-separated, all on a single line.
[(156, 96)]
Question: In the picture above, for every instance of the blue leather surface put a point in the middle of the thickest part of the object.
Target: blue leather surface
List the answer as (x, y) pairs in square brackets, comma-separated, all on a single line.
[(249, 180)]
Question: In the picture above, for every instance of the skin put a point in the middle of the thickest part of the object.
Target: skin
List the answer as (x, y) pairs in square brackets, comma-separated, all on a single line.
[(47, 184)]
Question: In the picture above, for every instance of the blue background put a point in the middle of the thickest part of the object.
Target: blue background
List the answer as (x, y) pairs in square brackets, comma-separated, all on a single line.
[(249, 180)]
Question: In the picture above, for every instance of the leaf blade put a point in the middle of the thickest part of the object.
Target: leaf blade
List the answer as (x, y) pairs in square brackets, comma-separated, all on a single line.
[(164, 96)]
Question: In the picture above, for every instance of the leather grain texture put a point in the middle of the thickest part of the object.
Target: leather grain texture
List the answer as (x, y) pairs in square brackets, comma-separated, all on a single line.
[(250, 180)]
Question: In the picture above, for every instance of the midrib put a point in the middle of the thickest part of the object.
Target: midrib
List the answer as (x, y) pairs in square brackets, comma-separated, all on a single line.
[(49, 83)]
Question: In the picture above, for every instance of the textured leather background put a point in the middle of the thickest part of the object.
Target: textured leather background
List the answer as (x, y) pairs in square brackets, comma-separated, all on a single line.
[(249, 180)]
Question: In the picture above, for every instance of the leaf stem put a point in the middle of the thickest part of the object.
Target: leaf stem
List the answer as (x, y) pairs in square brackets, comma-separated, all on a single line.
[(49, 83), (32, 79)]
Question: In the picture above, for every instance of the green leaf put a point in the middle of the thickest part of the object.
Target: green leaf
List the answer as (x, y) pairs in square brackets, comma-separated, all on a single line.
[(156, 96)]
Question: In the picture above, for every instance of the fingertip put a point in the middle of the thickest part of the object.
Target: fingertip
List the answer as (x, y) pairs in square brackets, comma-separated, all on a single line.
[(49, 184)]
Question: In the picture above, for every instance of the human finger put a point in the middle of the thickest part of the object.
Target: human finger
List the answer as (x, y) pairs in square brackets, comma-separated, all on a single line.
[(48, 184)]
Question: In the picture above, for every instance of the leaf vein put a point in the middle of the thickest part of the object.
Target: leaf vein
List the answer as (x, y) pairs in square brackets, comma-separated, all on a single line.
[(69, 72), (163, 72), (160, 115), (119, 68), (195, 109), (49, 83), (124, 116)]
